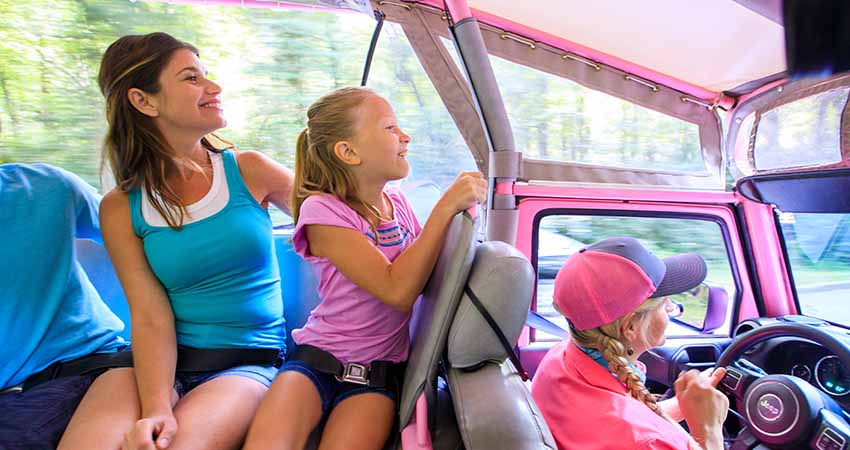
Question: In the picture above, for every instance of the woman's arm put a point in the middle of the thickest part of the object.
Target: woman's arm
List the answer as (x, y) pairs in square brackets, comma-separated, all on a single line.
[(670, 407), (397, 283), (703, 406), (268, 180), (152, 331)]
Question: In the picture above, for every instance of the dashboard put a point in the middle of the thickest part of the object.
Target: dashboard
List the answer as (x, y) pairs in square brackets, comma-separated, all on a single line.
[(806, 360)]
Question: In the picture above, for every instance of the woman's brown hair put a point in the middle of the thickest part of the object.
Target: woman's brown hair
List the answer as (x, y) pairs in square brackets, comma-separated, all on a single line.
[(134, 148)]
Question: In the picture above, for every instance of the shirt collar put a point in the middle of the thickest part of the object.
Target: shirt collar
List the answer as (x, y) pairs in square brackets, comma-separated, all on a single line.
[(596, 355), (592, 372)]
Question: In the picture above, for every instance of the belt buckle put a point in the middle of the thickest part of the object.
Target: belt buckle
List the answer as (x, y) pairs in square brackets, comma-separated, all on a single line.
[(355, 373)]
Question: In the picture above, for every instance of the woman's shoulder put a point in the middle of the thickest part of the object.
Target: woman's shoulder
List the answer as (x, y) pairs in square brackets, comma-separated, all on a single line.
[(115, 209), (115, 199)]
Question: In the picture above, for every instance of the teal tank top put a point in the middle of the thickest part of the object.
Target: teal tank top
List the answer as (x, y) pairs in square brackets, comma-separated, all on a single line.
[(220, 273)]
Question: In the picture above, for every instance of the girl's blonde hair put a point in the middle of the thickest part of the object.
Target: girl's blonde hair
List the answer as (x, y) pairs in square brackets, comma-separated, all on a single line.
[(330, 119), (608, 340), (135, 149)]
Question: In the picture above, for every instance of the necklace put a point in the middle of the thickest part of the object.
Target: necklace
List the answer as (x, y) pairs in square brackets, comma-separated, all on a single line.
[(377, 212), (191, 167)]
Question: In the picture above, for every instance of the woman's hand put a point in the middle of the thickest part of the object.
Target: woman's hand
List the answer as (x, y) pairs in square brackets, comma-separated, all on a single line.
[(151, 433), (703, 406), (468, 189), (670, 407)]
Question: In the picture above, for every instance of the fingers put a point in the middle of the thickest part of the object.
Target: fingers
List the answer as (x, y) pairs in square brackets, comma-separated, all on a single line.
[(473, 173), (717, 376), (140, 437), (166, 434), (143, 433), (473, 188)]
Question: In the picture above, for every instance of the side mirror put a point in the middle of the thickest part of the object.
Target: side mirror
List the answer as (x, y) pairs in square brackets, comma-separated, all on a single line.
[(715, 313), (704, 307)]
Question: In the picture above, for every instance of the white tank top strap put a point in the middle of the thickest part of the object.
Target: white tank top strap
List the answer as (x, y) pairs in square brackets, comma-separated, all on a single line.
[(214, 201)]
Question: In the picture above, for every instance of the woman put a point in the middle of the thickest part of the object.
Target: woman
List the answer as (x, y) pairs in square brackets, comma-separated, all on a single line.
[(191, 240), (591, 388)]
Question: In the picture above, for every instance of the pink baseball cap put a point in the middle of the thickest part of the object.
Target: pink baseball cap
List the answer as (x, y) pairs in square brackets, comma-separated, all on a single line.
[(611, 278)]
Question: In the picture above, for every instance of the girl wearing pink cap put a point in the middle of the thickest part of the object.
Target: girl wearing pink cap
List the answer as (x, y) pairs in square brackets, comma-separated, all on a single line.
[(590, 388)]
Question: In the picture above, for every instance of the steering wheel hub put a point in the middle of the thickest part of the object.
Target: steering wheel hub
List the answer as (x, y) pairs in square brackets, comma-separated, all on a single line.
[(778, 409)]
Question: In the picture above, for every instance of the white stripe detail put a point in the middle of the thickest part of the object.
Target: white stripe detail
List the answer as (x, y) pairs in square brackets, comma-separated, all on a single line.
[(214, 201)]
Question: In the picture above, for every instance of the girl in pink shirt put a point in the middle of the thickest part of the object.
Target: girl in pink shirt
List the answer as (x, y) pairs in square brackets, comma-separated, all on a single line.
[(590, 388), (372, 259)]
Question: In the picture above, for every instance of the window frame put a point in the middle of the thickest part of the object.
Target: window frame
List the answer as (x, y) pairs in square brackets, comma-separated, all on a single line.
[(719, 207)]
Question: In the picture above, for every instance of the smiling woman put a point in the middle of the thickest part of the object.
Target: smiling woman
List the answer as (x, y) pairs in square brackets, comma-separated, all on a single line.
[(206, 312)]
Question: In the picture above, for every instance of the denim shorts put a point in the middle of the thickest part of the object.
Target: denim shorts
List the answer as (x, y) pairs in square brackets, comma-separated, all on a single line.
[(186, 381), (37, 417), (332, 391)]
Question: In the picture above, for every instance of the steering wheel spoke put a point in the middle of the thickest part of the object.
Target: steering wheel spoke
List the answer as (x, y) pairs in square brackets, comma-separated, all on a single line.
[(745, 440), (832, 433), (739, 376)]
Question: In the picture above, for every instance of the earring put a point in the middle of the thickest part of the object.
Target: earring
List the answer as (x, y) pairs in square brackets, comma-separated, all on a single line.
[(630, 351)]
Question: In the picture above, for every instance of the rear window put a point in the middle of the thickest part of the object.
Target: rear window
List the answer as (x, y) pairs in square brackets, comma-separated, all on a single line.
[(802, 133)]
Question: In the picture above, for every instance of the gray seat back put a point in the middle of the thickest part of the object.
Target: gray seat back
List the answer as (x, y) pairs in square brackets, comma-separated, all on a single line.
[(493, 406), (434, 314)]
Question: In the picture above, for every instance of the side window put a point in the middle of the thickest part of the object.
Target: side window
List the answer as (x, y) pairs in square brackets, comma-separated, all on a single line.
[(556, 119), (272, 64), (559, 236), (818, 247)]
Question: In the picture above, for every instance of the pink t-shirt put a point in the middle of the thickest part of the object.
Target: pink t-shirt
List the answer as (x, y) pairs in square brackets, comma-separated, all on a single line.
[(587, 408), (350, 323)]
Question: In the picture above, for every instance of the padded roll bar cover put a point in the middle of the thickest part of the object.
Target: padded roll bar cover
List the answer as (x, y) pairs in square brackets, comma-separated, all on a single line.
[(495, 410), (435, 311), (484, 86), (503, 280)]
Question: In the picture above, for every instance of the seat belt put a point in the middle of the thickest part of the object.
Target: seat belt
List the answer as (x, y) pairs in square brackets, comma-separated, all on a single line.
[(538, 322), (495, 327)]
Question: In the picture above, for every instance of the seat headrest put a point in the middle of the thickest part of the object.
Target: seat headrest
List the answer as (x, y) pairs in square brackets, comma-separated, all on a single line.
[(503, 280)]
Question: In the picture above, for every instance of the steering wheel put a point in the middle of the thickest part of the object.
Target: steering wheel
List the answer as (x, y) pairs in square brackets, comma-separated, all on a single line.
[(783, 411)]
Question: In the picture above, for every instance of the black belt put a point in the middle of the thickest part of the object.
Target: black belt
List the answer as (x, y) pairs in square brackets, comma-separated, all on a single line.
[(87, 365), (205, 359), (377, 374), (188, 359)]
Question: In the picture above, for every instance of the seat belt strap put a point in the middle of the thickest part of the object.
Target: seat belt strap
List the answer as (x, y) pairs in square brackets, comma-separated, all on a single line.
[(499, 334), (538, 322)]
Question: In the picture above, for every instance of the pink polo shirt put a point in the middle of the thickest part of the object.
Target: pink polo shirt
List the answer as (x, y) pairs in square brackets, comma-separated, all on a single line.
[(588, 409)]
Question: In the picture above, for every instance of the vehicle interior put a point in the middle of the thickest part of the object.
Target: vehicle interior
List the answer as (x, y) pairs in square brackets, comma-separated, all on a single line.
[(677, 123)]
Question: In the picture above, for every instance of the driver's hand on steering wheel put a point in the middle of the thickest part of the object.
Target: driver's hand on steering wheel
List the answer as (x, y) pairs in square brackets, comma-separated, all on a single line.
[(703, 406)]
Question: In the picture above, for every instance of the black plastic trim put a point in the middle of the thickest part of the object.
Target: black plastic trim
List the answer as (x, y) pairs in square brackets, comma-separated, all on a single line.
[(787, 261), (379, 16)]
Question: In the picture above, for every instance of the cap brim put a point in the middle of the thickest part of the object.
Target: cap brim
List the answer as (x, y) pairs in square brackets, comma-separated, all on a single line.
[(684, 272)]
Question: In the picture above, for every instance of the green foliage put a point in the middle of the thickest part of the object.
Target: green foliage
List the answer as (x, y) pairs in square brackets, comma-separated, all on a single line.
[(272, 64)]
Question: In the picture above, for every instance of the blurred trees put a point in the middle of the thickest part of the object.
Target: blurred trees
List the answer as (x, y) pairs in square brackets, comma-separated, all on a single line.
[(272, 64)]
